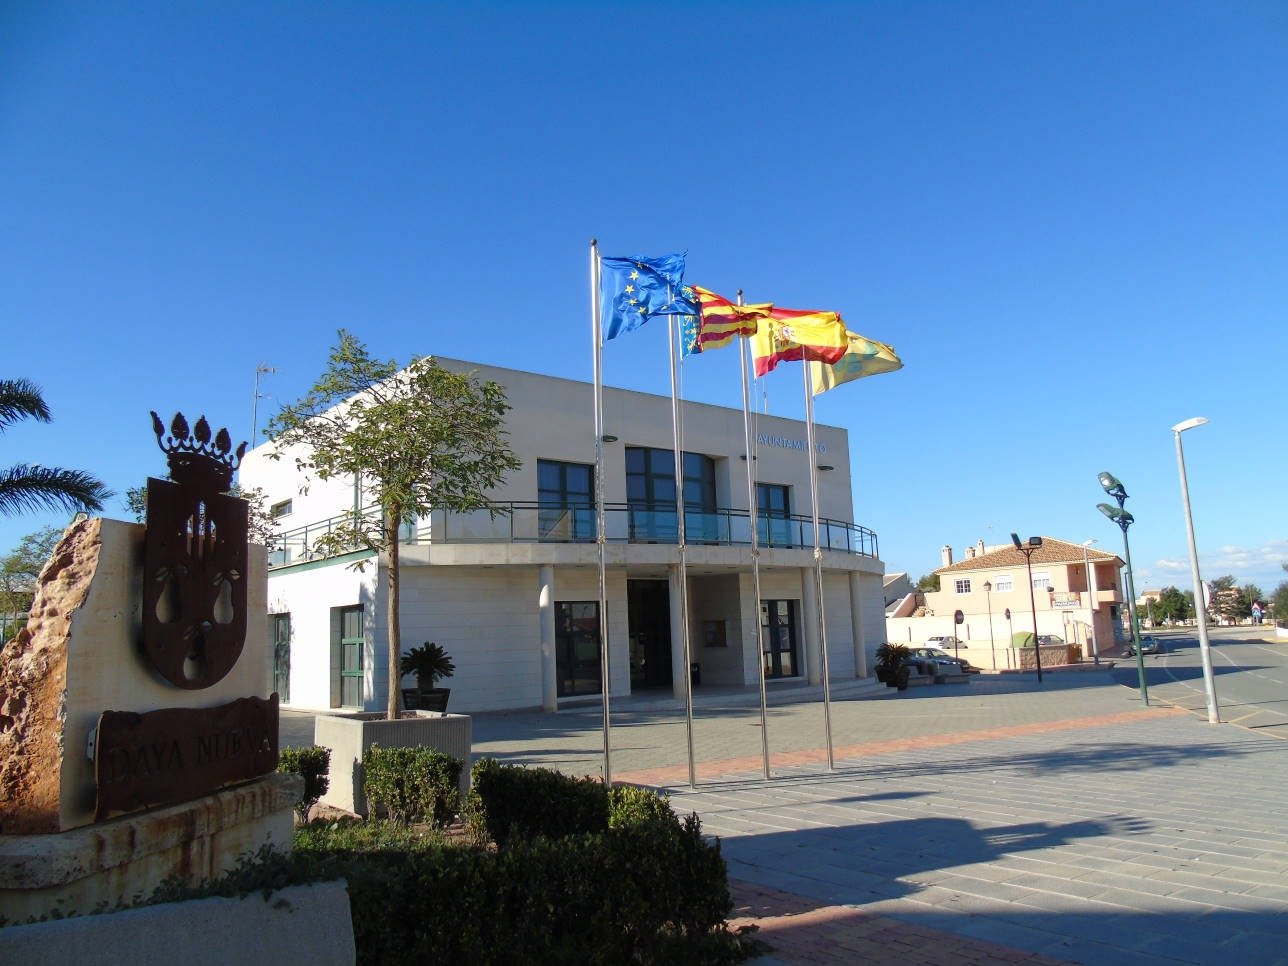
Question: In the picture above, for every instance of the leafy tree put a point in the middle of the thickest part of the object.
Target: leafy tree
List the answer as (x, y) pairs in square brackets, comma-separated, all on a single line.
[(929, 583), (1248, 595), (18, 572), (262, 526), (1174, 605), (421, 438), (25, 487), (1279, 601)]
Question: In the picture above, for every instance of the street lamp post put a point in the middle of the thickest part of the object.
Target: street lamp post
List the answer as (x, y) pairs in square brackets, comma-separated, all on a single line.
[(1091, 598), (1114, 488), (1209, 685), (988, 599), (1028, 550)]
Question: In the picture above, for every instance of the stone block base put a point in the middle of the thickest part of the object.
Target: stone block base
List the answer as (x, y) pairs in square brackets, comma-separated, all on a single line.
[(124, 859)]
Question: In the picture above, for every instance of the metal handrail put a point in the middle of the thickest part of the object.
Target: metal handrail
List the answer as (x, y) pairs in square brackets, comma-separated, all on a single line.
[(550, 522)]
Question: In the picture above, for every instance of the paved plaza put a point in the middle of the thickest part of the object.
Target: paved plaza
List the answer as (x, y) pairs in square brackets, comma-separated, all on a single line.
[(1000, 820)]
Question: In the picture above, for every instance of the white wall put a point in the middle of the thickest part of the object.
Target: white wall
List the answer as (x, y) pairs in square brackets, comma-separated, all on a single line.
[(308, 595)]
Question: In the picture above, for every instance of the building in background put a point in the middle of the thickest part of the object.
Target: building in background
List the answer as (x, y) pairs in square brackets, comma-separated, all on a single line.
[(515, 599), (1077, 606)]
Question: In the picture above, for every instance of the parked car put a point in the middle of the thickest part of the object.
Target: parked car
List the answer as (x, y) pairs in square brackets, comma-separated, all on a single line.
[(1047, 640), (1149, 644), (945, 660), (946, 643)]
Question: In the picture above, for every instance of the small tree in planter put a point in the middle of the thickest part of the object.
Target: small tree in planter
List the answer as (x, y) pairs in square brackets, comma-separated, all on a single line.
[(890, 658), (421, 438), (429, 662)]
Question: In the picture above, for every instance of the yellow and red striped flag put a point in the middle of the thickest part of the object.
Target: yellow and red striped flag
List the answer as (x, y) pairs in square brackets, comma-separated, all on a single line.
[(722, 321), (798, 334)]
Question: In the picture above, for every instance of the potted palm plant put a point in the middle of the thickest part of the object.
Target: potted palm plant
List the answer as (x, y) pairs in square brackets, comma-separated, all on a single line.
[(428, 663), (890, 662)]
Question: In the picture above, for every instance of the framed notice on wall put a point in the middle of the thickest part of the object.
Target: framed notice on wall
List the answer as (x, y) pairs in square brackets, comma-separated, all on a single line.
[(713, 634)]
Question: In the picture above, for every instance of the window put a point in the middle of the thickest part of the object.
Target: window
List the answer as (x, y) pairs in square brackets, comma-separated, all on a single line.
[(279, 510), (565, 494), (1041, 580), (577, 647), (650, 491), (773, 506), (1003, 584), (352, 644), (962, 586)]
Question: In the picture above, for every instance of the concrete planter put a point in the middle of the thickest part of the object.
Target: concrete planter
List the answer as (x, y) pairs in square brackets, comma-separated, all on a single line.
[(350, 735)]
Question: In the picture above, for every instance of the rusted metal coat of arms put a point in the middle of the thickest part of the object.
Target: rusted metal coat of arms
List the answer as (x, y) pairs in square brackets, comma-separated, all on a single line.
[(194, 558)]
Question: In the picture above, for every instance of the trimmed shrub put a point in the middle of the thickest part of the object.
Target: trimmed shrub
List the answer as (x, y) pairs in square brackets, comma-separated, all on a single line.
[(632, 805), (314, 764), (411, 784), (646, 893), (516, 802)]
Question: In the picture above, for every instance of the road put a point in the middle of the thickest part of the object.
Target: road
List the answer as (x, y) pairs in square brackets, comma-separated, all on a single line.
[(1250, 673)]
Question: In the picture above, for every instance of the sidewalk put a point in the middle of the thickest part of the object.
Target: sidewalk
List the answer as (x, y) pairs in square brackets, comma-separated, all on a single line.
[(997, 821)]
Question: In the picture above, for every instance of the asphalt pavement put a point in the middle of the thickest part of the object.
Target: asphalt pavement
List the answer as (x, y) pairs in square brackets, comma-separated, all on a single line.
[(999, 820)]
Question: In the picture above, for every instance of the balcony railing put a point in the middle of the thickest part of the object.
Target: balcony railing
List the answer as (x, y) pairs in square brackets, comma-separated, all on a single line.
[(575, 523)]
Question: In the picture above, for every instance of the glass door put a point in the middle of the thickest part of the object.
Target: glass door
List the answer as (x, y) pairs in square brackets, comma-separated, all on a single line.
[(778, 621), (281, 629), (352, 644)]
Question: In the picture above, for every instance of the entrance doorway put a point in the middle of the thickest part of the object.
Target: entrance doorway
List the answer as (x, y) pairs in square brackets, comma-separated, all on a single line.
[(778, 622), (648, 606)]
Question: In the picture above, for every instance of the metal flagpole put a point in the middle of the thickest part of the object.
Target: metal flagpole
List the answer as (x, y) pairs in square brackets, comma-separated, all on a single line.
[(818, 562), (752, 516), (597, 337), (687, 670)]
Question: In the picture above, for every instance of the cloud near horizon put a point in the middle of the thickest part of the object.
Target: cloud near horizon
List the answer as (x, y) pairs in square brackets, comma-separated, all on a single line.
[(1260, 566)]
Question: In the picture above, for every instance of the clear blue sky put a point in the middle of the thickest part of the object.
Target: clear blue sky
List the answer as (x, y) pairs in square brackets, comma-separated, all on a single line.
[(1070, 219)]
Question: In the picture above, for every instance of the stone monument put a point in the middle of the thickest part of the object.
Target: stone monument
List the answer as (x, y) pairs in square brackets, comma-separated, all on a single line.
[(138, 740)]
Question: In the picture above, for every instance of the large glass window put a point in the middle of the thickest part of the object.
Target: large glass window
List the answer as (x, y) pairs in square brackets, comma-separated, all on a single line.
[(650, 491), (774, 509), (577, 647), (352, 645), (565, 493)]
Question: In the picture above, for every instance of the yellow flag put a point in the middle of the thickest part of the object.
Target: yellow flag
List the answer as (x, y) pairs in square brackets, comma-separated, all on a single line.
[(863, 357)]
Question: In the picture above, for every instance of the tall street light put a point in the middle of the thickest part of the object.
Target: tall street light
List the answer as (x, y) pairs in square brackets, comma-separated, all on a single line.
[(1091, 598), (988, 598), (1209, 685), (1028, 551), (1114, 488)]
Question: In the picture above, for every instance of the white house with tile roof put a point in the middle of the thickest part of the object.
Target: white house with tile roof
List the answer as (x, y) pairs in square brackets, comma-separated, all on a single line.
[(1080, 605)]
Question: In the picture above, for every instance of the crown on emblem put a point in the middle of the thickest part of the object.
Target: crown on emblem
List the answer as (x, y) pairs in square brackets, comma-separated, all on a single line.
[(194, 457)]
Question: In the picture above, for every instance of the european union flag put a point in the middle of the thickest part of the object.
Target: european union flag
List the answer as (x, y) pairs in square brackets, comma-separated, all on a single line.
[(634, 290)]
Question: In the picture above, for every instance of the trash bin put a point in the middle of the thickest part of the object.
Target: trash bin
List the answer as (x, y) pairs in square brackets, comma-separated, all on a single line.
[(695, 674)]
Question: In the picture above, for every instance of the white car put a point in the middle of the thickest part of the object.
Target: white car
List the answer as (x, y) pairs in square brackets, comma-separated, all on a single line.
[(944, 643)]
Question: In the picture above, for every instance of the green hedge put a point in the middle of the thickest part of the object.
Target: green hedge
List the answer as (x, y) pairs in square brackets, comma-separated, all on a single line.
[(314, 764), (411, 784), (516, 802), (652, 892)]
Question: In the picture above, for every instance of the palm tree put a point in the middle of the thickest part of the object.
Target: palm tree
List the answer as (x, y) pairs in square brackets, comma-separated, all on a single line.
[(28, 487)]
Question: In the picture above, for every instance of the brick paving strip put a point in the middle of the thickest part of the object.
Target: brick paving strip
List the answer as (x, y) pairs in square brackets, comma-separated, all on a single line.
[(672, 775), (799, 930)]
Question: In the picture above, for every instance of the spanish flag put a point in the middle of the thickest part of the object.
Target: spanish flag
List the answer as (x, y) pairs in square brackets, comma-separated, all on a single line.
[(863, 357), (797, 334), (721, 320)]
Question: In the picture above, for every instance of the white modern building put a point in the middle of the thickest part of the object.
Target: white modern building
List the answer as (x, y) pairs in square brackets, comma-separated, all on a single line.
[(515, 599)]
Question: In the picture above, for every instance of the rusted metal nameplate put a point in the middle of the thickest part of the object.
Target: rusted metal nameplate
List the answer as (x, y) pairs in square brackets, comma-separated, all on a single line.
[(178, 754)]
